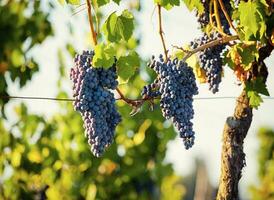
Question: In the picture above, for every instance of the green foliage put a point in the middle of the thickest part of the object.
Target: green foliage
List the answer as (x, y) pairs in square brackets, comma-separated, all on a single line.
[(104, 55), (52, 158), (252, 19), (127, 65), (19, 33), (119, 27), (194, 4), (266, 166), (253, 89)]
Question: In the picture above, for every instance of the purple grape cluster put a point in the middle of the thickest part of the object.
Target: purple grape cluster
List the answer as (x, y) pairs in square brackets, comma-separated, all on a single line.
[(151, 90), (95, 101), (210, 60), (177, 85), (203, 18)]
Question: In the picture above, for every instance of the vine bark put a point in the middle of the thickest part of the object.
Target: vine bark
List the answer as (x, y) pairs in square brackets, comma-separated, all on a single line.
[(233, 156), (234, 133)]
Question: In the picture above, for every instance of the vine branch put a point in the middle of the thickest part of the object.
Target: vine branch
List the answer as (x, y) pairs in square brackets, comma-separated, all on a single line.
[(217, 16), (161, 30), (226, 15), (93, 33), (210, 44)]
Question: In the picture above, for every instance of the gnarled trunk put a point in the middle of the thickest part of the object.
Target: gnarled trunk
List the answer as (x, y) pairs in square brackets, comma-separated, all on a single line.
[(235, 131), (233, 157)]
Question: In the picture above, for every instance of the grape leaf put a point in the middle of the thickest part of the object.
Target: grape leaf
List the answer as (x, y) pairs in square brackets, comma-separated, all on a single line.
[(253, 89), (248, 55), (191, 4), (102, 2), (104, 55), (254, 99), (74, 2), (251, 15), (126, 65), (120, 27)]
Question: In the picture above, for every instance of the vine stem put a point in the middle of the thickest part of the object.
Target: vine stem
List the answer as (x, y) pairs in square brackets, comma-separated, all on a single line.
[(95, 8), (161, 30), (93, 33), (226, 15), (217, 16), (212, 43), (128, 101)]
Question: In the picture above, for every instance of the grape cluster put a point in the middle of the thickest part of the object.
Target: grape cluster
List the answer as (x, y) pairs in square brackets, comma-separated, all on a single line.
[(210, 60), (177, 85), (152, 90), (203, 18), (95, 101)]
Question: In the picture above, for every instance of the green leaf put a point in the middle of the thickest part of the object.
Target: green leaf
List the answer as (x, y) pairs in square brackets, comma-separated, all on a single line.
[(251, 15), (74, 2), (227, 59), (191, 4), (258, 86), (120, 27), (254, 99), (104, 55), (102, 2), (253, 89), (126, 65), (248, 55)]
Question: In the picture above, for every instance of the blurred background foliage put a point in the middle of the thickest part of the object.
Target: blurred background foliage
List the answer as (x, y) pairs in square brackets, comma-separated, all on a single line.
[(24, 25), (50, 158), (265, 190)]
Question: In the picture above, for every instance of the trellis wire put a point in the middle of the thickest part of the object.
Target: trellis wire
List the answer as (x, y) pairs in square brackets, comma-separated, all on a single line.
[(70, 99)]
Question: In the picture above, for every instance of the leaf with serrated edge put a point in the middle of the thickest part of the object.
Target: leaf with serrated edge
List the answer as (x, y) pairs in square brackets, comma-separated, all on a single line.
[(120, 27), (251, 17), (254, 99)]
